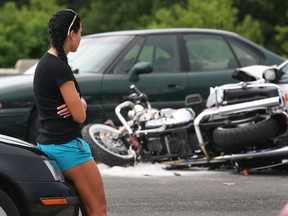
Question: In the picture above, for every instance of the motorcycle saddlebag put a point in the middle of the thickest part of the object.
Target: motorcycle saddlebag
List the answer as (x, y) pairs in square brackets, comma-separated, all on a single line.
[(234, 96)]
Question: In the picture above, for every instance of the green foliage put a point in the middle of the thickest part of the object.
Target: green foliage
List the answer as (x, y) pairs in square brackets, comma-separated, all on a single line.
[(255, 33), (271, 16), (104, 16), (282, 39), (23, 31), (117, 15), (217, 14), (23, 26), (11, 34), (196, 14)]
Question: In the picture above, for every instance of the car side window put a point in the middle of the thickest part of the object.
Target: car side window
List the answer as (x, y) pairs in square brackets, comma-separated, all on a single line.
[(245, 56), (129, 59), (283, 75), (163, 52), (160, 50), (208, 52)]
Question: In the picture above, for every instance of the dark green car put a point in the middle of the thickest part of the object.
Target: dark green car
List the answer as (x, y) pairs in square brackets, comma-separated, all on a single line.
[(183, 61)]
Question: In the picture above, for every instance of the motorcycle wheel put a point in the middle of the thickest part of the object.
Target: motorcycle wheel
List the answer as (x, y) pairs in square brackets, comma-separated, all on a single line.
[(106, 146), (245, 135)]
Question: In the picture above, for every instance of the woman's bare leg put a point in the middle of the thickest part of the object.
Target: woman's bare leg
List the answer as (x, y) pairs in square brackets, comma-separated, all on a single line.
[(88, 182)]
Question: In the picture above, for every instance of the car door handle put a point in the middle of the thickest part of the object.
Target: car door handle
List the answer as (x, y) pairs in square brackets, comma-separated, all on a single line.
[(175, 86)]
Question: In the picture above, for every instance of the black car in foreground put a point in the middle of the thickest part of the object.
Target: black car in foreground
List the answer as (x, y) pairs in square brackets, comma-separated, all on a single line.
[(31, 184)]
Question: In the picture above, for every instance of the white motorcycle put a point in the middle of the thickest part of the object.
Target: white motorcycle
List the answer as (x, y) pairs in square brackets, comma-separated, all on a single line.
[(146, 133), (245, 124), (244, 127)]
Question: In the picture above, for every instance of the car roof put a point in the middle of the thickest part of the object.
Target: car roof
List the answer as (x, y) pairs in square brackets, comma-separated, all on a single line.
[(163, 31)]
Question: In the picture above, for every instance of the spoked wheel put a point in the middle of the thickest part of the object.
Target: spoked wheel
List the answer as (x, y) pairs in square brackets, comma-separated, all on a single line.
[(106, 145), (246, 132)]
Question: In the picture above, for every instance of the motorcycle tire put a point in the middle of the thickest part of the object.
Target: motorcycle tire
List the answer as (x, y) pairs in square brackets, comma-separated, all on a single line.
[(106, 146), (239, 137)]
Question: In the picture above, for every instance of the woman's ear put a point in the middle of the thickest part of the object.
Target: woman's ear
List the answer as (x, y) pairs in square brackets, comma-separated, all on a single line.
[(72, 35)]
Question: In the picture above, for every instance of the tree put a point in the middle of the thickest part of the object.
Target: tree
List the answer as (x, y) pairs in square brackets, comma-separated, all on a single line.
[(217, 14), (271, 16), (23, 31), (104, 16), (23, 26), (281, 38)]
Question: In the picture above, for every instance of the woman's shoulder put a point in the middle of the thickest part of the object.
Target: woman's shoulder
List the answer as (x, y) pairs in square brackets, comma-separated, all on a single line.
[(52, 62)]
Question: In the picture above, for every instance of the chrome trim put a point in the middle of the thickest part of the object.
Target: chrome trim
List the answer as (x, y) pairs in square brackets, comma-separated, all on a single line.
[(15, 141), (121, 118), (262, 154), (259, 104)]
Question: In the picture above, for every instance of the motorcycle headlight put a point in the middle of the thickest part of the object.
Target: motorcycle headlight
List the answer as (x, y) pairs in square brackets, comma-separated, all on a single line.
[(54, 169)]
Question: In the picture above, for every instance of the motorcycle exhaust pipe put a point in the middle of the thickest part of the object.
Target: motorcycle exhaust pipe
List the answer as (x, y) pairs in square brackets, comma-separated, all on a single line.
[(263, 154), (263, 103), (280, 152)]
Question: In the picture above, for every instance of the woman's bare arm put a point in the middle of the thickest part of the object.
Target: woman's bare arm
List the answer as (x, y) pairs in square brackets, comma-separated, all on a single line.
[(74, 105)]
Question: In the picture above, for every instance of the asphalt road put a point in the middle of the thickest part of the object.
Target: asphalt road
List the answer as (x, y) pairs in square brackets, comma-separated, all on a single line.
[(195, 192)]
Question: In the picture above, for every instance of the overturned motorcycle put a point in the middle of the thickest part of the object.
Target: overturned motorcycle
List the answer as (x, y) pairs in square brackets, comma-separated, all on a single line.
[(243, 127), (245, 124), (146, 134)]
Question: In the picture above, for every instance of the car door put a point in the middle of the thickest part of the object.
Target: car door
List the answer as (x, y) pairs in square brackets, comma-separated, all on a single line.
[(166, 86), (212, 61)]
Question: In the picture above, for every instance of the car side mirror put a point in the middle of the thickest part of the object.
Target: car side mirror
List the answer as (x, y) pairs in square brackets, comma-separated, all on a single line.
[(139, 68), (270, 75), (193, 99)]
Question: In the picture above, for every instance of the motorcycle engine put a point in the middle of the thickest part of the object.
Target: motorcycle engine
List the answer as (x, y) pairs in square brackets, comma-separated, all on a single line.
[(171, 143), (154, 144)]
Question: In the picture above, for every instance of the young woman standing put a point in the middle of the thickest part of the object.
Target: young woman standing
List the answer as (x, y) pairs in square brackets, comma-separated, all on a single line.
[(61, 111)]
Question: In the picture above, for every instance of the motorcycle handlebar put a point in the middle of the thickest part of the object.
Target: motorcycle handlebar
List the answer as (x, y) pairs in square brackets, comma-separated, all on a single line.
[(141, 95), (133, 87)]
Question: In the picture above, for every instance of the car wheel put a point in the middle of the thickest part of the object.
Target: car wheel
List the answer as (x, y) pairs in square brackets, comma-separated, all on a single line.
[(7, 206)]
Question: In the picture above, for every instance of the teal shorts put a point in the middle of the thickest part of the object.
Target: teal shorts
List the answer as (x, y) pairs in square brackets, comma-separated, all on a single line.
[(68, 155)]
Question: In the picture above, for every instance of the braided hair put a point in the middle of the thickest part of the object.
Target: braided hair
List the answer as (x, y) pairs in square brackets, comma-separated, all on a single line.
[(58, 29)]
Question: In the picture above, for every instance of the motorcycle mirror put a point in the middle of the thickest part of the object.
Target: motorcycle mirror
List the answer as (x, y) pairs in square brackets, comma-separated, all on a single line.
[(193, 99), (270, 75)]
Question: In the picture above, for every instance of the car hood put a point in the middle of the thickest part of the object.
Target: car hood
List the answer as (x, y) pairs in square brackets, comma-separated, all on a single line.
[(8, 140)]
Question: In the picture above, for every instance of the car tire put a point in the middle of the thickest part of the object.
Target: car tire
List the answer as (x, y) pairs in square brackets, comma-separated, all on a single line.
[(7, 206), (239, 137), (104, 146)]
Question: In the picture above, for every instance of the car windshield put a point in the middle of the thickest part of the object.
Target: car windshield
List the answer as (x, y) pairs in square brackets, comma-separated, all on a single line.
[(94, 53), (284, 73)]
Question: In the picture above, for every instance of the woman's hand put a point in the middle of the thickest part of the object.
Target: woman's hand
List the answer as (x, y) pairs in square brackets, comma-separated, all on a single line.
[(74, 106), (64, 111)]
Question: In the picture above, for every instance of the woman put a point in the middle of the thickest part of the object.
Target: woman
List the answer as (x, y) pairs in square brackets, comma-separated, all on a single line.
[(61, 111)]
